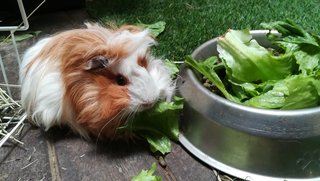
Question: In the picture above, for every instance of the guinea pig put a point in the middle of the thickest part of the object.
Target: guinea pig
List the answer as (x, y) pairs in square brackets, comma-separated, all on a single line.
[(92, 79)]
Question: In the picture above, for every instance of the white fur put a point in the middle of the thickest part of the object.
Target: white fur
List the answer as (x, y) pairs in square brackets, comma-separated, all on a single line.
[(146, 85), (42, 89), (161, 75)]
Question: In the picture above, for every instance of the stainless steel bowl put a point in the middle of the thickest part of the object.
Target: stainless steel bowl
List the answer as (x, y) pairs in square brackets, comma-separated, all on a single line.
[(246, 142)]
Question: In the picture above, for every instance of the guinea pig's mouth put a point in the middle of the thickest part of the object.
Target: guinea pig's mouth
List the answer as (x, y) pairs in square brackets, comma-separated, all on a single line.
[(145, 106)]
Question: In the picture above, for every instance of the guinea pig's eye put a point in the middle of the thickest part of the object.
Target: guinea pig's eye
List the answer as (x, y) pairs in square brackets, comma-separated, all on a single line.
[(121, 80)]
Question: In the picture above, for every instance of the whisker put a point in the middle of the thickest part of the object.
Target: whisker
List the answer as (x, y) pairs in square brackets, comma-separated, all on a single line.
[(122, 115), (136, 111), (97, 139), (130, 118), (100, 132), (129, 122)]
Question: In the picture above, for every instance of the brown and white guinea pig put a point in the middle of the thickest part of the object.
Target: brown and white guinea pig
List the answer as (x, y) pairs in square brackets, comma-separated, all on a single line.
[(92, 79)]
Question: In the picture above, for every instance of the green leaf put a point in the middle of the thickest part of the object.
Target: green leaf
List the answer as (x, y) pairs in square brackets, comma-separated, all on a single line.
[(245, 91), (303, 92), (147, 175), (173, 68), (305, 45), (157, 141), (247, 61), (294, 92), (164, 106), (207, 69), (292, 33), (155, 29), (308, 59), (157, 125), (272, 99)]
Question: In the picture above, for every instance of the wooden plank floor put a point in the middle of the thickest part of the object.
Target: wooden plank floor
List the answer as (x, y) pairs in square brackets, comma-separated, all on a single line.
[(60, 155)]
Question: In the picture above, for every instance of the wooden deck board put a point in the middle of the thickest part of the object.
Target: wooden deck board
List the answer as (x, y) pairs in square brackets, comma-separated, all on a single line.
[(79, 159), (26, 162), (186, 167)]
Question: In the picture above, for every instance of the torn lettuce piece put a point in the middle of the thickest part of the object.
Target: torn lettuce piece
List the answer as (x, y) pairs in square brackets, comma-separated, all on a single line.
[(155, 29), (246, 90), (272, 99), (247, 61), (308, 60), (304, 45), (157, 141), (291, 33), (294, 92), (147, 175), (173, 68), (157, 125), (207, 68), (304, 92)]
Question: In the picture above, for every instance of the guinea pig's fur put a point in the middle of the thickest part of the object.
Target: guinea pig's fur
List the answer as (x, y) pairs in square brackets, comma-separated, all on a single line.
[(92, 79)]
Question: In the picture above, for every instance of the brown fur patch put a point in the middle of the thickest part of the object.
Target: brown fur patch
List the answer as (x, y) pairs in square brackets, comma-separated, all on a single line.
[(98, 102), (96, 97)]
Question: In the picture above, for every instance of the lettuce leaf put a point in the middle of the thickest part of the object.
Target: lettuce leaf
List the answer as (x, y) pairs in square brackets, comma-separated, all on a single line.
[(147, 175), (158, 125), (208, 69), (155, 29), (304, 45), (173, 68), (291, 33), (247, 61), (294, 92)]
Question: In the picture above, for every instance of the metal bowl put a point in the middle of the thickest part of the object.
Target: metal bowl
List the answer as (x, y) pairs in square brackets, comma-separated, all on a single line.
[(246, 142)]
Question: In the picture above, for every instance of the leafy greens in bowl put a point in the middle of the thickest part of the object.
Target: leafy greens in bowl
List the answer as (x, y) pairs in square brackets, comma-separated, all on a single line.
[(286, 76)]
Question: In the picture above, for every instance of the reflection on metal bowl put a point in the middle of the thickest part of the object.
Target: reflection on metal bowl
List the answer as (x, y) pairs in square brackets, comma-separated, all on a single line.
[(246, 142)]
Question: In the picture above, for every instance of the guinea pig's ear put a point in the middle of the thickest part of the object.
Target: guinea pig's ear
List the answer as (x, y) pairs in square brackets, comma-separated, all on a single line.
[(97, 62)]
